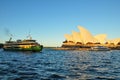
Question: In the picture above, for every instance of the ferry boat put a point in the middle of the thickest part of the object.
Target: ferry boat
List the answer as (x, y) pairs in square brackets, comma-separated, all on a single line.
[(99, 48), (22, 45)]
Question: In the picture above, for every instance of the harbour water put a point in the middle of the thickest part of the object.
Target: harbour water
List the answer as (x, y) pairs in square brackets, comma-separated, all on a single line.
[(60, 65)]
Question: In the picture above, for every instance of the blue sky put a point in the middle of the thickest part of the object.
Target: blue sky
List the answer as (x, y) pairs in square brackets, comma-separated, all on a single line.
[(48, 20)]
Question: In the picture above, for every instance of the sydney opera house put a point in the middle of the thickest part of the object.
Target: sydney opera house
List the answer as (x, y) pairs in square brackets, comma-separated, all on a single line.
[(85, 39)]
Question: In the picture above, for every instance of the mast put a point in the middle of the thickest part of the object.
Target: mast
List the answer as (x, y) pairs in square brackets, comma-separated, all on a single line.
[(10, 39), (29, 36)]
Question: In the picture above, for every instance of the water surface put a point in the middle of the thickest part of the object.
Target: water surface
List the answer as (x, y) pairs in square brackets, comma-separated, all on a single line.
[(59, 65)]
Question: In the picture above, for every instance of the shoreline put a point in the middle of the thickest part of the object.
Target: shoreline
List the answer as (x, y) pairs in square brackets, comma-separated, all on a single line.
[(85, 48)]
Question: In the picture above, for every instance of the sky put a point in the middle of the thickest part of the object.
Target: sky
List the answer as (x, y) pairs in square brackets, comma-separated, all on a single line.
[(48, 20)]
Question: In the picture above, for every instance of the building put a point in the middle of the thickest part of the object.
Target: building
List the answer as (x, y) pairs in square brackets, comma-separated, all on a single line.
[(85, 38)]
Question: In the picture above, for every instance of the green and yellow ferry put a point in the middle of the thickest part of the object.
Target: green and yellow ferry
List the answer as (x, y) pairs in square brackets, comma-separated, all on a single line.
[(22, 45)]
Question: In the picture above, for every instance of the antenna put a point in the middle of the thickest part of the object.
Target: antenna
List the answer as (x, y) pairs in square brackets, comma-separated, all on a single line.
[(29, 35)]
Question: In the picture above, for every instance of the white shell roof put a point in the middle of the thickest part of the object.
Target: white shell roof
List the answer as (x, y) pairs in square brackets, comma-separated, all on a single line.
[(76, 36), (69, 37), (101, 38), (85, 36)]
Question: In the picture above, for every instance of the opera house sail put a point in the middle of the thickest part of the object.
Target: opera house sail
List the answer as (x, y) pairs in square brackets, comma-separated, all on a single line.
[(101, 38), (77, 37), (86, 36), (85, 39), (69, 38)]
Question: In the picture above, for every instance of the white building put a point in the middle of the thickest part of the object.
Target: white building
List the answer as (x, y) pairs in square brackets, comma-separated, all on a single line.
[(84, 37)]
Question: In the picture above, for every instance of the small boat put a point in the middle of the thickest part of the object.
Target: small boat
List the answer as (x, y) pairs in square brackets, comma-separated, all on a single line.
[(99, 48), (22, 45)]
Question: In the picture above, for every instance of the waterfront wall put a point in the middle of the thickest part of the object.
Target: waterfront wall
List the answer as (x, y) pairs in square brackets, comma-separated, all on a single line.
[(87, 46)]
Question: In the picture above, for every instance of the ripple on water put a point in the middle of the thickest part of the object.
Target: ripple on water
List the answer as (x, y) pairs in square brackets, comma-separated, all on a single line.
[(60, 65)]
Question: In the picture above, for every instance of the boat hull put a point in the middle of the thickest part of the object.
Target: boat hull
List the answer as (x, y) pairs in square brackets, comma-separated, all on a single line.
[(33, 48), (99, 48)]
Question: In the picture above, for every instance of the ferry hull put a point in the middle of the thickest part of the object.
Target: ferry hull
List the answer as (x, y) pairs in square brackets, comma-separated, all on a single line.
[(33, 48)]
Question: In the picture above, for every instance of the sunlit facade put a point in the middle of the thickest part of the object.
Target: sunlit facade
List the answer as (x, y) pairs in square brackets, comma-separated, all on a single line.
[(85, 37), (102, 38), (76, 37), (69, 37), (114, 41)]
